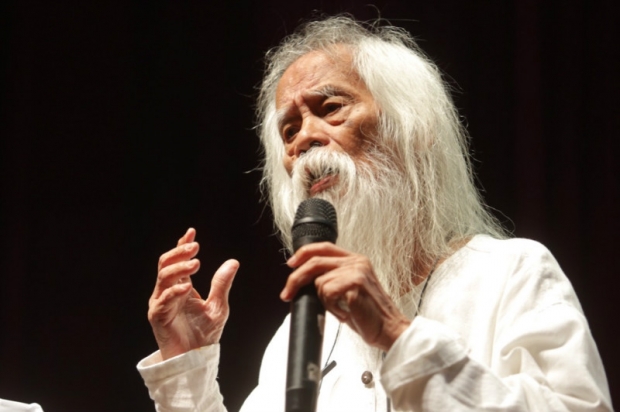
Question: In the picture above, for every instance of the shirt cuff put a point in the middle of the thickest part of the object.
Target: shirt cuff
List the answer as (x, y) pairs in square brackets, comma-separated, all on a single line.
[(153, 369), (424, 348)]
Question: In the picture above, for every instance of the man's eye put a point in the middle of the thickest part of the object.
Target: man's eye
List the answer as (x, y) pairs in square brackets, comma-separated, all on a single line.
[(289, 133), (330, 108)]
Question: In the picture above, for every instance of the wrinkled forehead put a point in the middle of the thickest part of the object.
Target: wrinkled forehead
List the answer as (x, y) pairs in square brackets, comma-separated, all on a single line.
[(318, 71)]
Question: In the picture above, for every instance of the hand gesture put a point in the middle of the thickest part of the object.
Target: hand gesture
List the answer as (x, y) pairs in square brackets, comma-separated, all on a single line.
[(348, 287), (180, 318)]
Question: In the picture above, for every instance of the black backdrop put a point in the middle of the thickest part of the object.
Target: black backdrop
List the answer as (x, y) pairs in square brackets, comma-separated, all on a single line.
[(123, 123)]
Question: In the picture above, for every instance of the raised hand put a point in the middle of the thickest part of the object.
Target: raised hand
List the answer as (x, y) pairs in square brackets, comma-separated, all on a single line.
[(347, 286), (180, 318)]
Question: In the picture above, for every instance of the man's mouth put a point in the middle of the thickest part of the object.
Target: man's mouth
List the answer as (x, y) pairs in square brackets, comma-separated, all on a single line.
[(320, 184)]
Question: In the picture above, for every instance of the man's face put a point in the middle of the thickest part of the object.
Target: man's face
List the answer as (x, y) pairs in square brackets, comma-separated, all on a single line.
[(321, 101)]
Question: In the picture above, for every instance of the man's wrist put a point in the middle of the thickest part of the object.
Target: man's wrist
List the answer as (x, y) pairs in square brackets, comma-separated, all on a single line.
[(394, 332)]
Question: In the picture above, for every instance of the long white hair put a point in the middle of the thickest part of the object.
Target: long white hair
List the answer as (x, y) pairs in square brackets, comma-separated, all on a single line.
[(419, 132)]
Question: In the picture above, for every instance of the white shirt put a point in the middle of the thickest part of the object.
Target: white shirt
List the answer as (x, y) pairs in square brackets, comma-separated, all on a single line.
[(500, 328), (11, 406)]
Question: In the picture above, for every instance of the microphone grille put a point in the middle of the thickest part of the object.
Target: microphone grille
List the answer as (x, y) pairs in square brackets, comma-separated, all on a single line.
[(315, 221), (316, 208)]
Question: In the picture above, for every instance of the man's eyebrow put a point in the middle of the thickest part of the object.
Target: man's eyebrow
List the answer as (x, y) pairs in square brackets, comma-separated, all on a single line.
[(282, 115), (330, 90)]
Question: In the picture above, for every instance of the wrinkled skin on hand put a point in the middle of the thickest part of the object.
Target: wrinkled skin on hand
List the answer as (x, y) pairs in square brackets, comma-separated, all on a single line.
[(348, 287), (180, 318)]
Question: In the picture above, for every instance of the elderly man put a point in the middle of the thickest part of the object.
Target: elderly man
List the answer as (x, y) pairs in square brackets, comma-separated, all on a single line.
[(430, 306)]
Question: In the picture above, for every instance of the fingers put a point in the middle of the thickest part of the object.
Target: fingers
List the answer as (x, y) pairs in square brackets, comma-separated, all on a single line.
[(177, 273), (176, 265), (306, 273), (188, 237), (311, 261), (337, 294), (348, 288), (222, 281), (180, 253), (161, 307), (306, 252)]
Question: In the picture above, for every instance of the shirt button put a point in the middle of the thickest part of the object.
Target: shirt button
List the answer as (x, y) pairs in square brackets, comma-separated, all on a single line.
[(366, 377)]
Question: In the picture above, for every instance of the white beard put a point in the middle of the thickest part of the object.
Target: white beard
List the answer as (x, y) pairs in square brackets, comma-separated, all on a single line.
[(373, 202)]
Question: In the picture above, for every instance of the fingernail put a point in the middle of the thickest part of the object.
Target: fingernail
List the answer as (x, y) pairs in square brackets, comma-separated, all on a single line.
[(284, 296), (291, 261), (189, 246)]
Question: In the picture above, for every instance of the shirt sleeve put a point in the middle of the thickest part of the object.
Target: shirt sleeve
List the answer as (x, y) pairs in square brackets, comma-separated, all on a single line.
[(188, 382), (543, 356), (185, 383), (11, 406)]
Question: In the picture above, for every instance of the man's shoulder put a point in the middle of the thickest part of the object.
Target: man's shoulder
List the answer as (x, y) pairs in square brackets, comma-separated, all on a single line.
[(487, 256), (509, 267), (514, 247)]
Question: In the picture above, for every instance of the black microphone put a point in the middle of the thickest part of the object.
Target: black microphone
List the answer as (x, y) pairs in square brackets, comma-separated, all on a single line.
[(315, 221)]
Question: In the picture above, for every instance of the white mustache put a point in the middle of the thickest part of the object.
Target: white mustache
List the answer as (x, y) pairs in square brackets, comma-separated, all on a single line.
[(318, 163)]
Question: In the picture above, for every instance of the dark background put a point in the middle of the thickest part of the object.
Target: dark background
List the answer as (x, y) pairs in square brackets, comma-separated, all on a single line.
[(124, 123)]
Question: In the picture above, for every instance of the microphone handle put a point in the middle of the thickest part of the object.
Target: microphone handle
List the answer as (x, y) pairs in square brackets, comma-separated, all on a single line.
[(304, 351)]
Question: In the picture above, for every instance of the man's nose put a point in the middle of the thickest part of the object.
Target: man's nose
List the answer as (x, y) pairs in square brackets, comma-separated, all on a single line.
[(312, 134)]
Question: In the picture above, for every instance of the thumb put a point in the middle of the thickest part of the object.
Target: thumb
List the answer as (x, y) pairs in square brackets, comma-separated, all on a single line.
[(222, 281)]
